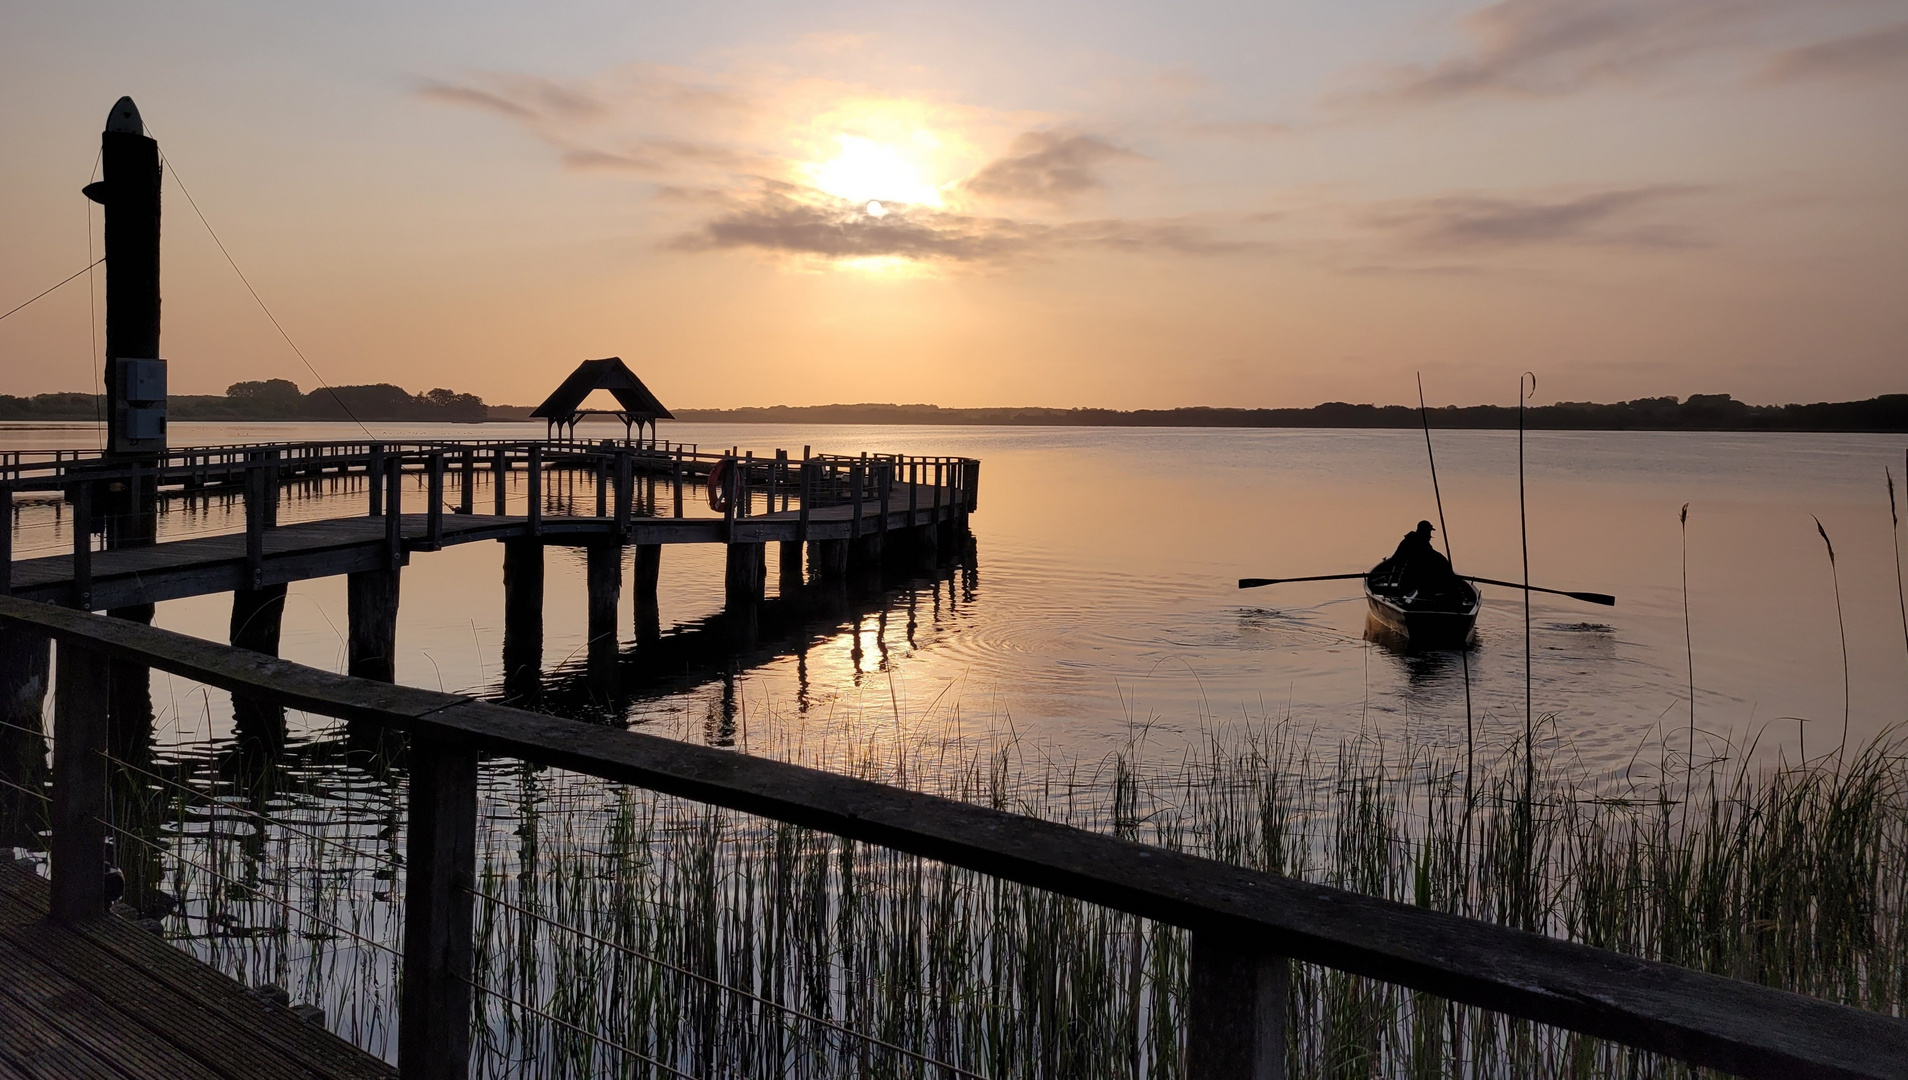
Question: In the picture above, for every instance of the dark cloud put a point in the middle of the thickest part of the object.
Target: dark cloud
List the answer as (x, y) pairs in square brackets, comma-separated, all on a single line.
[(1052, 167), (1476, 221), (1541, 47), (1879, 52), (787, 219)]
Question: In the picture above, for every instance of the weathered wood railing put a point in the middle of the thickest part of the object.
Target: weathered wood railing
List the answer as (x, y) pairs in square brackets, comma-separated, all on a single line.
[(1247, 927)]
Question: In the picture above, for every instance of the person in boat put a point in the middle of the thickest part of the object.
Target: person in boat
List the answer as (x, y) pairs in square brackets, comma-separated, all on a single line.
[(1422, 569)]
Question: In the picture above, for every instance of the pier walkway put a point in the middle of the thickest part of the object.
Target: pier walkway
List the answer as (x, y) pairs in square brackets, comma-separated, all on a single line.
[(105, 999)]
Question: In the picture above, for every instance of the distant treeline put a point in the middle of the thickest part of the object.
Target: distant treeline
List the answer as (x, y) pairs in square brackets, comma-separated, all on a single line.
[(1699, 412), (271, 399), (280, 399)]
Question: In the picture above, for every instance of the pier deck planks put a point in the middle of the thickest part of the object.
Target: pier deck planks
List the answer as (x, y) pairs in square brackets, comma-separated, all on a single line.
[(310, 549), (110, 1000)]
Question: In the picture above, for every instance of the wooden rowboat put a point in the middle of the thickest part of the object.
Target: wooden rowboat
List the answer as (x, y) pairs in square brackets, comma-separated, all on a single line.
[(1443, 621)]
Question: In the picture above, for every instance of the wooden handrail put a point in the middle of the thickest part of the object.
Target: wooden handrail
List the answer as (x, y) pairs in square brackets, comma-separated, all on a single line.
[(1708, 1020)]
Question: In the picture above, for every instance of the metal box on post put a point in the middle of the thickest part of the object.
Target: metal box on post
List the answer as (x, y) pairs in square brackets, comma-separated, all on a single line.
[(141, 424)]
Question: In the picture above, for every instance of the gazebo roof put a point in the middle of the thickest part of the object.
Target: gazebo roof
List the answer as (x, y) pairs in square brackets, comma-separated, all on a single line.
[(609, 373)]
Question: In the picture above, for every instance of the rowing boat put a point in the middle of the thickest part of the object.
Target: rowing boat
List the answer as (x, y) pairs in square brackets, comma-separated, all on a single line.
[(1444, 620)]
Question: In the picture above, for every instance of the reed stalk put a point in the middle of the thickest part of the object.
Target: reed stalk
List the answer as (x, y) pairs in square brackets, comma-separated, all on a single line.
[(1835, 580)]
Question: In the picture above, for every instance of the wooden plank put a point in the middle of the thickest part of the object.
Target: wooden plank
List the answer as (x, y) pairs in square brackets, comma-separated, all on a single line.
[(36, 1049), (66, 1009), (164, 972), (1705, 1019)]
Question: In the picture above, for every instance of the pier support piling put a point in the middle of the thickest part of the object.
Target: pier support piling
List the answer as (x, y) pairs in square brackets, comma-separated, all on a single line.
[(523, 618), (828, 559), (789, 567), (129, 708), (648, 570), (441, 872), (605, 578), (746, 573), (257, 619), (371, 603)]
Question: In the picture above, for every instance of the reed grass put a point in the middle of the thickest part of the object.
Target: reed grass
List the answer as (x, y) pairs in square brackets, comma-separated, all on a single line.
[(622, 933)]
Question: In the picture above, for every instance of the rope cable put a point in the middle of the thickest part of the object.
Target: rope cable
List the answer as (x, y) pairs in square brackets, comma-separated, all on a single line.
[(180, 180), (62, 281)]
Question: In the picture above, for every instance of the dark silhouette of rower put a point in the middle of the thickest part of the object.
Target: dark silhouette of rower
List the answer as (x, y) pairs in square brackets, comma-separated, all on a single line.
[(1422, 569)]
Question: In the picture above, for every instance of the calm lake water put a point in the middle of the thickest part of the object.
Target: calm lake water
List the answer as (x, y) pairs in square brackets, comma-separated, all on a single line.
[(1099, 600)]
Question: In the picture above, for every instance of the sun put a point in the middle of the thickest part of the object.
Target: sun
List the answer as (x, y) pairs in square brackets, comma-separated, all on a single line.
[(868, 171)]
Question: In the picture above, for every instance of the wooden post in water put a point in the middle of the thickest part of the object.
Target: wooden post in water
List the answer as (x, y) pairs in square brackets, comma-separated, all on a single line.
[(605, 576), (1235, 1024), (747, 567), (371, 605), (533, 484), (467, 483), (648, 570), (440, 874), (434, 492), (789, 567), (499, 480), (257, 619), (394, 509), (79, 785), (523, 618), (374, 478)]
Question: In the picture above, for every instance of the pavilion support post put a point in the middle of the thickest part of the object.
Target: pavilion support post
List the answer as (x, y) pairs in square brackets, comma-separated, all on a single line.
[(648, 570), (523, 618), (257, 619), (371, 604), (746, 571), (440, 875), (1235, 1025), (79, 786)]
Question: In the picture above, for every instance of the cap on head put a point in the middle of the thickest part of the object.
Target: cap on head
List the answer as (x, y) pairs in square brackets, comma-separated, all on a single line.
[(1424, 526), (124, 119)]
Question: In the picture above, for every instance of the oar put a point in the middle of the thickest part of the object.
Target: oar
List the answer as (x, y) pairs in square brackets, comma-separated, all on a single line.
[(1255, 582), (1589, 597)]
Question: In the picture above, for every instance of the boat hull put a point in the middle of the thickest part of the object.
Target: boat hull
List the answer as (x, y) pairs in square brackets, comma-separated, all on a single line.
[(1416, 627)]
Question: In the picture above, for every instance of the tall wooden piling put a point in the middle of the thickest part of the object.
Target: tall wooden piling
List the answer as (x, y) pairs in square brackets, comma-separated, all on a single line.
[(747, 569), (648, 570), (371, 605), (1235, 1023), (605, 576), (257, 619), (789, 565)]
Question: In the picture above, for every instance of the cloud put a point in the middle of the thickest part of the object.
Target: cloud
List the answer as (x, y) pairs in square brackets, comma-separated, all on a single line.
[(1476, 221), (789, 219), (1549, 47), (524, 98), (1052, 167), (657, 157), (1876, 53)]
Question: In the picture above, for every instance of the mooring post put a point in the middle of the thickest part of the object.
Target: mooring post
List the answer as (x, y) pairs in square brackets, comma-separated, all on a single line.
[(523, 617), (1235, 1023), (371, 608), (82, 545), (374, 477), (79, 785), (440, 877)]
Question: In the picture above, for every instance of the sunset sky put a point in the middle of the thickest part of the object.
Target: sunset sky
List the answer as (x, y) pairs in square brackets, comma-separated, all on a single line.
[(988, 204)]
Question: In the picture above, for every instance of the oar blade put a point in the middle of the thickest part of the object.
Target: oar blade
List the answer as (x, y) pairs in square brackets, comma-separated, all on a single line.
[(1255, 582), (1594, 598)]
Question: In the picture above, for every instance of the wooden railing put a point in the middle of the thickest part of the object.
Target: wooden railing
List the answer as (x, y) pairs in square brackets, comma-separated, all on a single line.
[(1247, 927)]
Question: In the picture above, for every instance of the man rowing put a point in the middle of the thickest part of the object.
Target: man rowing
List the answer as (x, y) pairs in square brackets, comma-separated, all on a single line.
[(1420, 567)]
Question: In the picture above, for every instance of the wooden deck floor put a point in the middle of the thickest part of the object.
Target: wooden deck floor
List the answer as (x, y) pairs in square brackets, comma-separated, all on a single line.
[(310, 549), (112, 1001)]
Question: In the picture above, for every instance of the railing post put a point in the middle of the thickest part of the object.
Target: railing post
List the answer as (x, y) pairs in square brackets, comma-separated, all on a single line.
[(914, 495), (808, 493), (440, 869), (856, 481), (1235, 1023), (533, 482), (499, 480), (625, 493), (272, 491), (728, 503), (884, 485), (79, 785), (434, 516), (467, 483), (374, 477), (678, 480), (6, 539), (394, 509), (82, 545)]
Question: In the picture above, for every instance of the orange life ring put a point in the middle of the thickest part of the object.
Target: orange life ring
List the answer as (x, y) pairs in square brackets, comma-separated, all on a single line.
[(718, 485)]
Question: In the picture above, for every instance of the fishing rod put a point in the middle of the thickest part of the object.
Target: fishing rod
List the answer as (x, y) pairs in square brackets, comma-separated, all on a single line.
[(1588, 597)]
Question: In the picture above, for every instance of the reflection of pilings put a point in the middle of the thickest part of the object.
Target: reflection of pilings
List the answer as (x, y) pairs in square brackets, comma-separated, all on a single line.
[(523, 619), (24, 666), (129, 708), (257, 618), (371, 604)]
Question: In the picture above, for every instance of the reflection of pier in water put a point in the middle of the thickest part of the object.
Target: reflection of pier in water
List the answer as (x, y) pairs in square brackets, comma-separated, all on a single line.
[(899, 605)]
